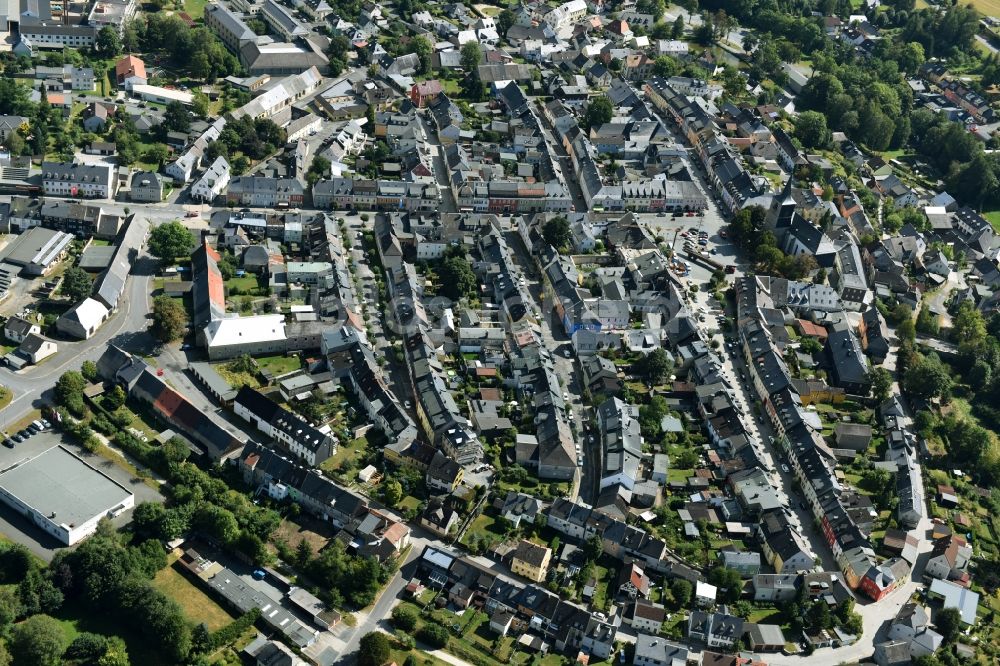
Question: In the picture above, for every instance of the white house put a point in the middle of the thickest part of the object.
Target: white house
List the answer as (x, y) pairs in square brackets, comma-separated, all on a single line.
[(213, 182), (17, 329)]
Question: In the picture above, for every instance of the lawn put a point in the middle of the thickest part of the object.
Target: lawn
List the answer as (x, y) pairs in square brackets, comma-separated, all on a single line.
[(423, 658), (352, 450), (245, 284), (236, 379), (6, 395), (987, 7), (993, 217), (197, 606), (484, 524), (408, 503), (279, 365), (195, 8), (75, 620)]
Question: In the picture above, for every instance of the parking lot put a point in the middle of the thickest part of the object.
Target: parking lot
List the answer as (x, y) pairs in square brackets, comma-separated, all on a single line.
[(19, 529)]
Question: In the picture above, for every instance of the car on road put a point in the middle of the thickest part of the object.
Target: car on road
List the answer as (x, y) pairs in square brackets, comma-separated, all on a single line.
[(784, 468), (191, 213), (186, 346), (407, 404)]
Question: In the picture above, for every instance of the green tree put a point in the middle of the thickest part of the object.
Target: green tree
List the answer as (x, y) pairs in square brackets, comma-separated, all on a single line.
[(404, 617), (677, 31), (927, 322), (76, 284), (457, 278), (666, 66), (157, 154), (434, 635), (169, 241), (373, 649), (948, 623), (174, 450), (656, 366), (811, 129), (729, 582), (599, 111), (176, 118), (89, 371), (505, 20), (70, 384), (169, 319), (38, 641), (928, 378), (392, 492), (423, 49), (557, 233), (108, 44), (318, 170), (681, 589), (115, 398), (881, 383), (472, 55)]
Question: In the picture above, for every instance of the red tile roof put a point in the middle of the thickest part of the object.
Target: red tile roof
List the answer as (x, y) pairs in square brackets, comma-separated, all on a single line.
[(130, 66)]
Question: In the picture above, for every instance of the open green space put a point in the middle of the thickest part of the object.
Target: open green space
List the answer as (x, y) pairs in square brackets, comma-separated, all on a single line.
[(197, 606), (76, 620), (993, 217), (195, 8), (279, 365), (346, 452)]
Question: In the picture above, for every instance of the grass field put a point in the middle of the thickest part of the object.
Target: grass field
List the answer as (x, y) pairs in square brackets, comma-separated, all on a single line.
[(244, 284), (993, 217), (987, 7), (195, 8), (279, 365), (197, 606), (352, 450), (75, 620)]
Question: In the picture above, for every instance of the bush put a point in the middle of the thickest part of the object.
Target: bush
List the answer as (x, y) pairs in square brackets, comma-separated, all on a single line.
[(404, 617), (234, 629), (434, 635)]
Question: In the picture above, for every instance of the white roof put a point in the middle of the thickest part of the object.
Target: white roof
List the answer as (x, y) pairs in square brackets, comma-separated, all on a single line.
[(704, 590), (438, 558), (166, 93), (90, 313), (245, 330), (956, 596)]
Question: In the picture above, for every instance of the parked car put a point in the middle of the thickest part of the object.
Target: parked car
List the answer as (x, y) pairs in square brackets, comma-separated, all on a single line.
[(258, 574), (784, 468), (17, 438), (9, 443)]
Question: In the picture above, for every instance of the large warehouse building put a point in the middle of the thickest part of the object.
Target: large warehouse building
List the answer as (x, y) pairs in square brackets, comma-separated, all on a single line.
[(62, 494)]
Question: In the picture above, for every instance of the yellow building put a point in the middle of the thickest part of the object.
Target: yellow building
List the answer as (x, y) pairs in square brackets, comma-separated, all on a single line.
[(531, 561)]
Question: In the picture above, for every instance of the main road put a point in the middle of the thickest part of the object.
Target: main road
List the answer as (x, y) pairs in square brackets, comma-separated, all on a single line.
[(126, 328)]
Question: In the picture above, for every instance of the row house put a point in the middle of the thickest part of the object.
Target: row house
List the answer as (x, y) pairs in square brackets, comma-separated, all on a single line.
[(293, 434)]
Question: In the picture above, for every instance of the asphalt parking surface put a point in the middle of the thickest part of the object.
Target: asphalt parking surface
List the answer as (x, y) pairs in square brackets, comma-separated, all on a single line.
[(19, 529)]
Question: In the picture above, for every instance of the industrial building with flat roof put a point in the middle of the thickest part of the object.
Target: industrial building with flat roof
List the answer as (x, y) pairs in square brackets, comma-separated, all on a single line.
[(38, 249), (63, 494)]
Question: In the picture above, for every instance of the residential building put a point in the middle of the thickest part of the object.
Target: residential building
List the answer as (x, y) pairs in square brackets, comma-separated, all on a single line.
[(213, 182), (531, 560), (146, 187), (654, 650), (67, 179), (716, 630), (291, 432)]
